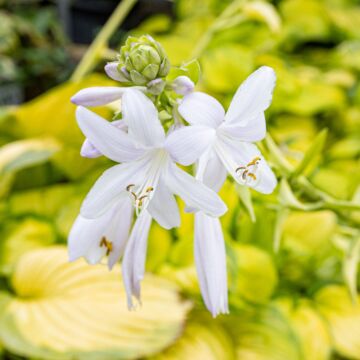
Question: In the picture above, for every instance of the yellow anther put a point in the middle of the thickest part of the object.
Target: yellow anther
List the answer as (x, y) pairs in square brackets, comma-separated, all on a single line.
[(128, 188), (108, 244), (253, 176), (254, 161), (149, 189)]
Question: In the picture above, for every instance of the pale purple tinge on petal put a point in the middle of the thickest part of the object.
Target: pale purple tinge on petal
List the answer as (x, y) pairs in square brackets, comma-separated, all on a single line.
[(111, 187), (238, 154), (88, 150), (198, 108), (210, 258), (133, 264), (164, 208), (183, 85), (141, 116), (188, 143), (113, 72), (108, 139), (96, 96), (193, 192), (252, 97)]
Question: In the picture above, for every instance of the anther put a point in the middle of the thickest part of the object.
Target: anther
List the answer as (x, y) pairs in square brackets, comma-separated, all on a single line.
[(108, 244)]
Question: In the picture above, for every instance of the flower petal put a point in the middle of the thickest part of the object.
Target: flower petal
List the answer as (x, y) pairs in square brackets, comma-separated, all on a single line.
[(113, 72), (108, 139), (86, 234), (133, 265), (214, 173), (111, 187), (118, 231), (235, 154), (199, 108), (188, 143), (142, 118), (210, 261), (88, 150), (254, 130), (183, 85), (195, 194), (252, 97), (163, 207), (99, 95)]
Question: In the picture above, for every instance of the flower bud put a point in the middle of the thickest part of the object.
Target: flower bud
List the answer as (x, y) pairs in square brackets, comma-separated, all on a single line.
[(182, 85), (142, 60)]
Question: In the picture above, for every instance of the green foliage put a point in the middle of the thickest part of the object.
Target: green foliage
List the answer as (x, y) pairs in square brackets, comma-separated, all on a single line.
[(296, 303)]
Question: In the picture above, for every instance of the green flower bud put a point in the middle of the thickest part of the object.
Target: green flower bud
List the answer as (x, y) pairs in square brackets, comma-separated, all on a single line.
[(142, 60)]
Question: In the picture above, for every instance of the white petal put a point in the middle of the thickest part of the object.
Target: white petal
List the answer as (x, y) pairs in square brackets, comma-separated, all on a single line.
[(199, 108), (112, 72), (86, 234), (111, 187), (118, 231), (133, 265), (252, 97), (234, 154), (210, 261), (251, 131), (142, 119), (108, 139), (214, 173), (100, 95), (88, 150), (188, 143), (163, 207), (195, 194)]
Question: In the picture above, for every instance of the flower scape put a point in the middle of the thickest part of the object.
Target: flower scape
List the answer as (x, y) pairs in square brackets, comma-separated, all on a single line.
[(163, 123)]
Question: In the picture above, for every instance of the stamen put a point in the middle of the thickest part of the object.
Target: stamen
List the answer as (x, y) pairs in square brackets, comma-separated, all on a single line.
[(248, 173), (108, 244)]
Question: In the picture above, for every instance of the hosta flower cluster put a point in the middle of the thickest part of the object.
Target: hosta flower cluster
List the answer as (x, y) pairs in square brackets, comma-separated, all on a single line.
[(162, 123)]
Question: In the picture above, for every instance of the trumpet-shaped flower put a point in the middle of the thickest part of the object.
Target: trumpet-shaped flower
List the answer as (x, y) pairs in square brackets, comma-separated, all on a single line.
[(222, 142), (147, 177), (228, 137)]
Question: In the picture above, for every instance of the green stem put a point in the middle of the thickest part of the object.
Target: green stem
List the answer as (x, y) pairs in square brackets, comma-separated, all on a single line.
[(99, 45)]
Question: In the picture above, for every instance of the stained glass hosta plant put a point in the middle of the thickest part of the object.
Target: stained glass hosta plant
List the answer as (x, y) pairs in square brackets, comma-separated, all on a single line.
[(163, 123)]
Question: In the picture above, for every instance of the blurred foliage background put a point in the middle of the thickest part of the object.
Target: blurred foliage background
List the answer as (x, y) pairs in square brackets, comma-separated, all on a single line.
[(292, 263)]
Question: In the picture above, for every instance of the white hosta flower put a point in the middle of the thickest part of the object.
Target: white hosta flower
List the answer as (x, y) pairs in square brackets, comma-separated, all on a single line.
[(228, 137), (147, 177), (107, 235)]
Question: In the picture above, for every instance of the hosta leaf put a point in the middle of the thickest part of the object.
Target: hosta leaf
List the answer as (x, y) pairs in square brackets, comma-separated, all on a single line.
[(20, 237), (24, 153), (306, 322), (256, 276), (264, 334), (201, 340), (343, 317), (62, 310)]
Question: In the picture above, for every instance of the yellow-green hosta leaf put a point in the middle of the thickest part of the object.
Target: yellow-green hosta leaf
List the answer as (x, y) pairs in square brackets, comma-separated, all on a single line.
[(61, 310), (204, 340), (343, 317), (263, 334), (20, 238), (310, 328), (350, 267), (25, 153), (255, 277)]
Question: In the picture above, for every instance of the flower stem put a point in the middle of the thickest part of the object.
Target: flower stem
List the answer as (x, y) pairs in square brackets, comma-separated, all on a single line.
[(99, 45)]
